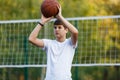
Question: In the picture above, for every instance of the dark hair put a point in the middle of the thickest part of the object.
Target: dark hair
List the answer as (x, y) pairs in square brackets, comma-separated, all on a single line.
[(58, 22)]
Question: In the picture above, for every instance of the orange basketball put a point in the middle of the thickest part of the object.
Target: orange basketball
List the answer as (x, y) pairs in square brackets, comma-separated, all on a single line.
[(49, 8)]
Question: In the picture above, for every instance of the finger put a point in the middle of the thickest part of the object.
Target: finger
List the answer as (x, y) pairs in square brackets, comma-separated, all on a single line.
[(58, 6)]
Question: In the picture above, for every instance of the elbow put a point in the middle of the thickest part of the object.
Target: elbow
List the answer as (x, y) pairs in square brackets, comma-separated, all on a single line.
[(76, 33), (30, 39)]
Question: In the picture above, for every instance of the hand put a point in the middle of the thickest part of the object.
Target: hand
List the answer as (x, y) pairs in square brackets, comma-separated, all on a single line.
[(60, 11), (44, 19)]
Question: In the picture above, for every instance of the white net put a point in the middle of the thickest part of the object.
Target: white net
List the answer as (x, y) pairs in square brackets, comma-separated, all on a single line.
[(98, 44)]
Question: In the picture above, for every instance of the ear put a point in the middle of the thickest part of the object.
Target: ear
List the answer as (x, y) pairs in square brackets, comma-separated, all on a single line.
[(66, 29)]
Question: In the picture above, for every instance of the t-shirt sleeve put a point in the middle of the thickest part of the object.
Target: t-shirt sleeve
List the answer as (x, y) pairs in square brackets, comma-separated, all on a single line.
[(46, 43), (74, 45)]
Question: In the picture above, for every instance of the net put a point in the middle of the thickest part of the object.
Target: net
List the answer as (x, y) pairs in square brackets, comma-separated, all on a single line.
[(98, 43)]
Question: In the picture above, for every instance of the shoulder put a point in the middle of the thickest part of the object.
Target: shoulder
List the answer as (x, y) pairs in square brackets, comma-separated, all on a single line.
[(69, 40), (47, 42)]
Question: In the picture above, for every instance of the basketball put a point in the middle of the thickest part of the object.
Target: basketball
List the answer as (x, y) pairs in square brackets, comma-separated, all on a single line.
[(49, 8)]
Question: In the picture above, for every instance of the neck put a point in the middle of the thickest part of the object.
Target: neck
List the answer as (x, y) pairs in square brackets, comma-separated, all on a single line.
[(60, 39)]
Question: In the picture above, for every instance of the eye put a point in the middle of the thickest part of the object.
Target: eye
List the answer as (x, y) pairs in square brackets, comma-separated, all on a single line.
[(55, 27), (59, 27)]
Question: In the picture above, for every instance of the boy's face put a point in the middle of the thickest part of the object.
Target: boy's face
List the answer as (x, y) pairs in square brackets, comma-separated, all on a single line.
[(60, 31)]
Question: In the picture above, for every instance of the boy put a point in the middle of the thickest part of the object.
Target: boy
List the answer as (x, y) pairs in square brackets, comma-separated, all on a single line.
[(60, 52)]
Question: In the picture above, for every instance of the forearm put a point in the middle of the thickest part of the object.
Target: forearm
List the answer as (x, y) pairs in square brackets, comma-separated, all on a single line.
[(35, 32), (71, 28)]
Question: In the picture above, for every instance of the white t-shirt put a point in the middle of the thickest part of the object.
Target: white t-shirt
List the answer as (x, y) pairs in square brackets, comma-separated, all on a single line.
[(59, 59)]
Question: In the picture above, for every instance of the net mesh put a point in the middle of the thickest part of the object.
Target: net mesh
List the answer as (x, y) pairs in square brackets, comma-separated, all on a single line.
[(98, 43)]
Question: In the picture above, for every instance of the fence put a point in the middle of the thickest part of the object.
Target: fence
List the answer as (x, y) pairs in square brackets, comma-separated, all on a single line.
[(98, 43)]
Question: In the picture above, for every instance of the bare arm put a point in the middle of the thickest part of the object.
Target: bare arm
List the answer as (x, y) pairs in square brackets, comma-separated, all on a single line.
[(34, 34), (72, 29)]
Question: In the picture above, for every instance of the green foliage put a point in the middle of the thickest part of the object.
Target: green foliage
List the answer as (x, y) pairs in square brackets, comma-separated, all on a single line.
[(30, 9)]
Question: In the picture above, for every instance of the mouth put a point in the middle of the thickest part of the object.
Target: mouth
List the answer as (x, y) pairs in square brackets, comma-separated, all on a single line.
[(56, 33)]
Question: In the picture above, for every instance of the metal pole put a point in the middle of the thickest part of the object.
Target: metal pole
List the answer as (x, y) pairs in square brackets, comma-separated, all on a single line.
[(76, 69), (26, 58)]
